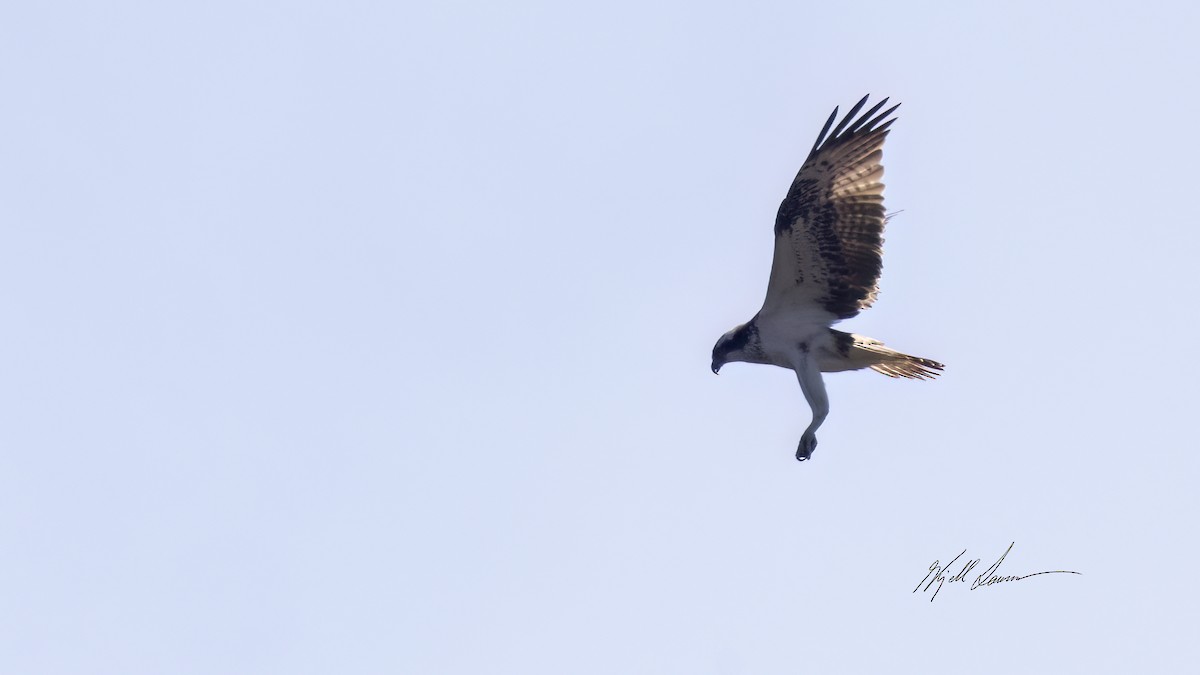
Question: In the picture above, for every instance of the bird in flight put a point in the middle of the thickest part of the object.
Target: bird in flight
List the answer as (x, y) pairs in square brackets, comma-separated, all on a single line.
[(828, 255)]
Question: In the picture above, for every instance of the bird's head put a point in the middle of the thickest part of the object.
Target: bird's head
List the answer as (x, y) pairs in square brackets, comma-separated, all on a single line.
[(732, 346)]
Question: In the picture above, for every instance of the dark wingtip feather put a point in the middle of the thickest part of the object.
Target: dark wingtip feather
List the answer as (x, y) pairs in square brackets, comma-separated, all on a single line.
[(824, 130), (866, 116), (850, 126), (884, 127), (869, 126), (849, 116)]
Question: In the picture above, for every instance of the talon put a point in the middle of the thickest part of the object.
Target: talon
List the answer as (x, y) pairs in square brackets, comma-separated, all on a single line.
[(807, 445)]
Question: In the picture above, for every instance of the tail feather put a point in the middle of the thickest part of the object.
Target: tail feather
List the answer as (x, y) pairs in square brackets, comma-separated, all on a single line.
[(892, 363), (915, 369)]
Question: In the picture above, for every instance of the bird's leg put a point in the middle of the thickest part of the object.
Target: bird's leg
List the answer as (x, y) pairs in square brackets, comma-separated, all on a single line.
[(809, 374)]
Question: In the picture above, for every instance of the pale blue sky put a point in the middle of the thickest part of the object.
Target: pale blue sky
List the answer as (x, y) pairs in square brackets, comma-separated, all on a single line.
[(374, 338)]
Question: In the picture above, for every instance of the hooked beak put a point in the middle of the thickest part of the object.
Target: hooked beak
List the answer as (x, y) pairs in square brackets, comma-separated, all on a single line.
[(716, 368)]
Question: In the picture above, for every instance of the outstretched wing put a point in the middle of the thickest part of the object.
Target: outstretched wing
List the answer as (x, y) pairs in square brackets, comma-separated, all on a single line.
[(829, 230)]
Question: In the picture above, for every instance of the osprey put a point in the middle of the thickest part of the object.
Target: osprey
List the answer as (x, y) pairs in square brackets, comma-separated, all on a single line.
[(828, 255)]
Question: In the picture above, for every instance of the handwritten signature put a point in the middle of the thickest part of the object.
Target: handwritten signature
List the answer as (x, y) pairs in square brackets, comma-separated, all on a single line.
[(937, 574)]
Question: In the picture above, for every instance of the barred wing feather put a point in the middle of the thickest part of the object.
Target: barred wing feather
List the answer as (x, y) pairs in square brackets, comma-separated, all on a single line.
[(829, 229)]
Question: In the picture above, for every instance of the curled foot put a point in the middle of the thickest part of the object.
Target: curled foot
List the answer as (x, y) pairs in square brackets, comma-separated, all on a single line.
[(808, 443)]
